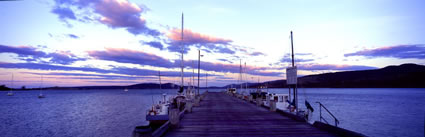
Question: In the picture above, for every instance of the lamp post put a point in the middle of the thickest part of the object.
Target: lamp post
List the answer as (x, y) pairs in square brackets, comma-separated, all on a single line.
[(252, 79), (199, 66)]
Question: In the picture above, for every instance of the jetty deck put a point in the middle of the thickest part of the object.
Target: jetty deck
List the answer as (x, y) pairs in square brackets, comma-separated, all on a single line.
[(223, 115)]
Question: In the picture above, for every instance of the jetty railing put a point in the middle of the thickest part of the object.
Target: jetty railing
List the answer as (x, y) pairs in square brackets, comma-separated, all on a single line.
[(322, 118)]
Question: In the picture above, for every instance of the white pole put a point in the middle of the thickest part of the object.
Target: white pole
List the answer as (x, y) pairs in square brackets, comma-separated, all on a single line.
[(182, 51)]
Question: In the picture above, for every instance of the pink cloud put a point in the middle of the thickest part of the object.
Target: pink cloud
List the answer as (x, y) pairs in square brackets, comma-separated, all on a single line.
[(113, 13), (191, 38)]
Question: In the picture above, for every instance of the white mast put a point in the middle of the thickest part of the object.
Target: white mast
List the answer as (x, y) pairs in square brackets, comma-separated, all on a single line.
[(240, 74), (11, 88), (246, 84), (41, 86), (182, 51), (193, 76), (12, 83), (10, 93), (159, 74)]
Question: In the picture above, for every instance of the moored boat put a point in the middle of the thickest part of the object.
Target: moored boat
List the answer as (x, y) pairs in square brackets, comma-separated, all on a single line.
[(157, 115)]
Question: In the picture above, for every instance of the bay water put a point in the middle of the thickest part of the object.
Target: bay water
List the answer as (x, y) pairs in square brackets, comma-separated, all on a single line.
[(371, 111)]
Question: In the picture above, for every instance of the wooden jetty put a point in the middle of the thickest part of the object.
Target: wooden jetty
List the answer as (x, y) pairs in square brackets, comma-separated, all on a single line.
[(223, 115)]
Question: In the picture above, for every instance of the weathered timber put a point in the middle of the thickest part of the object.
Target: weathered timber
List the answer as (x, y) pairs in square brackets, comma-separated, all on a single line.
[(222, 115)]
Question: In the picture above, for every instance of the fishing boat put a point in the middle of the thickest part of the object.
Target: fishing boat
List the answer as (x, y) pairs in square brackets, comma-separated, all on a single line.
[(157, 115), (259, 93), (231, 90), (280, 99)]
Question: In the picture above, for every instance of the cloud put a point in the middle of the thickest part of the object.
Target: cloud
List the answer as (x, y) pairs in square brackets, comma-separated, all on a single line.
[(287, 60), (137, 71), (63, 57), (64, 13), (299, 57), (256, 53), (142, 58), (302, 54), (194, 38), (131, 56), (235, 68), (113, 13), (212, 44), (178, 48), (31, 54), (224, 78), (333, 67), (114, 70), (226, 50), (225, 60), (38, 66), (122, 14), (73, 36), (400, 51), (22, 51), (154, 44), (65, 75)]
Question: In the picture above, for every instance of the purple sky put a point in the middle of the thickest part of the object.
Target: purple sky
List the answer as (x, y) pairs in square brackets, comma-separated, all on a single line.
[(121, 42)]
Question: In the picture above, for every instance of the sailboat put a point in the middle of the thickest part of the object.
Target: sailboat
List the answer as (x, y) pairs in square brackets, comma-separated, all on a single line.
[(180, 98), (40, 95), (159, 113), (10, 93)]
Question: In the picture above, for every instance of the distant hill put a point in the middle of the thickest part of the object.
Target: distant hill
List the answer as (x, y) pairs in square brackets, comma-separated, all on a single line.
[(402, 76), (4, 88)]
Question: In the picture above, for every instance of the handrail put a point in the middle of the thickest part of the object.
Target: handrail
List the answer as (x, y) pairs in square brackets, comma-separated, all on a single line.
[(320, 109)]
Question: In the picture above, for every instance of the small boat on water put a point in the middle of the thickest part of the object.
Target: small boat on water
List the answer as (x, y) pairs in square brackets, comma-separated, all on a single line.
[(10, 93), (41, 95), (125, 90)]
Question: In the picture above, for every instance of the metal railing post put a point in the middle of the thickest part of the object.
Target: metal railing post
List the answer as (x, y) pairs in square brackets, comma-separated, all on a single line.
[(320, 109)]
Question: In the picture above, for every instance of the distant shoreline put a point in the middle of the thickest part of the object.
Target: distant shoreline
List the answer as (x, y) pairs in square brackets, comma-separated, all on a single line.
[(402, 76)]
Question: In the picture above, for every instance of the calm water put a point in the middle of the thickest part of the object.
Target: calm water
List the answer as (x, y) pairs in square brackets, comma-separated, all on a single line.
[(373, 112)]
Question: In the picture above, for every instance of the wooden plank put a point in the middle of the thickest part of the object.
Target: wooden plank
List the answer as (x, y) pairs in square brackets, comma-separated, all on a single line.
[(222, 115)]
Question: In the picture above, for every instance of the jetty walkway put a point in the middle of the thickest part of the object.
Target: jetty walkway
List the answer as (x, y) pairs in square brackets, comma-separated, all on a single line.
[(222, 115)]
